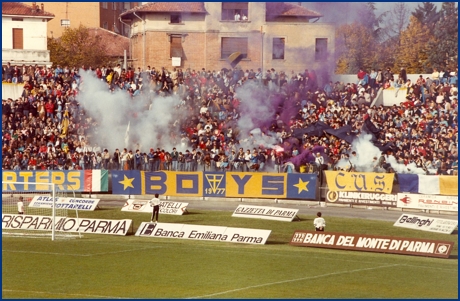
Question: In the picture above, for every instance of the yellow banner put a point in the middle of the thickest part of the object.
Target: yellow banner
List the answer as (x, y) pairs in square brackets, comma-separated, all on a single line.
[(262, 185), (359, 181), (448, 185)]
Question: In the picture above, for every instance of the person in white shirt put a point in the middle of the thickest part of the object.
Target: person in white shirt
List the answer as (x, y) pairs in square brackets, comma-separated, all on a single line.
[(319, 222), (20, 205), (155, 203), (319, 160)]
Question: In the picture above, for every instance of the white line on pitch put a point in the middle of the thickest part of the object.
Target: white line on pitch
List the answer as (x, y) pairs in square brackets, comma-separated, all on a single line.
[(65, 294), (291, 280), (425, 267), (82, 255)]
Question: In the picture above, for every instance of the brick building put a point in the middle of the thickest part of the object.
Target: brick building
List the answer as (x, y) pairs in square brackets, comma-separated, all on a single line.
[(204, 34), (89, 14)]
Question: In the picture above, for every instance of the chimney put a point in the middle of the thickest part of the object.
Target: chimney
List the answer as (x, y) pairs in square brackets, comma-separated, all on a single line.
[(43, 7)]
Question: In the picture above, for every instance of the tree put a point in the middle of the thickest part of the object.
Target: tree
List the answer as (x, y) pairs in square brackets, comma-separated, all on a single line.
[(355, 48), (372, 22), (77, 47), (443, 50), (412, 53), (428, 15), (397, 21)]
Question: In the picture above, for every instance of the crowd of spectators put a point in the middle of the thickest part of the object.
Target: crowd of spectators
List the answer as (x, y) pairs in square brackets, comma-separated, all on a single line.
[(47, 128)]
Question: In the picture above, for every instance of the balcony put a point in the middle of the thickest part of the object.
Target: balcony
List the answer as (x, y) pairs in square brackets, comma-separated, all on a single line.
[(26, 57)]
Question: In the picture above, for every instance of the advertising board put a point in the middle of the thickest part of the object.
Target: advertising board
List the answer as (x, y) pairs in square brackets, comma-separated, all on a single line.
[(66, 224), (43, 201), (372, 243), (202, 232), (428, 201), (361, 198), (424, 223), (272, 213), (166, 207)]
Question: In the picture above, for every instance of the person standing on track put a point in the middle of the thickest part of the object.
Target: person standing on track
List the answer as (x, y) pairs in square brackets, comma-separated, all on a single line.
[(319, 222), (155, 203), (21, 205)]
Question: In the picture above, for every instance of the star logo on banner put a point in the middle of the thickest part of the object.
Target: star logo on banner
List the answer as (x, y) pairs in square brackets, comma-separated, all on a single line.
[(127, 182), (301, 186)]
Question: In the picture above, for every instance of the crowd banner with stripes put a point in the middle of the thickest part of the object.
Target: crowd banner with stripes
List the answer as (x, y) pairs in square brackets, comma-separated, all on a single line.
[(65, 180), (359, 181), (428, 184)]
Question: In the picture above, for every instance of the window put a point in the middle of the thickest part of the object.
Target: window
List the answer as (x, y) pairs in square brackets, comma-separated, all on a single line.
[(18, 38), (65, 22), (126, 6), (229, 9), (104, 5), (114, 5), (176, 45), (176, 19), (321, 49), (231, 45), (278, 49), (105, 25)]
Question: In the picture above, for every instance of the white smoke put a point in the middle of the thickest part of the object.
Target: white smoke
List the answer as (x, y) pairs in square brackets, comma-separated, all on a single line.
[(364, 160), (151, 118)]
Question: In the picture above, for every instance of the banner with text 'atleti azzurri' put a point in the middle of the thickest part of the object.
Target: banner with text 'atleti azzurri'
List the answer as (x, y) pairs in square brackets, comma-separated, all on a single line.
[(215, 184), (66, 180)]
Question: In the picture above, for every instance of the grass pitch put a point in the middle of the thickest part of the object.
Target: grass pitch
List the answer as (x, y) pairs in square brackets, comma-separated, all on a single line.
[(104, 266)]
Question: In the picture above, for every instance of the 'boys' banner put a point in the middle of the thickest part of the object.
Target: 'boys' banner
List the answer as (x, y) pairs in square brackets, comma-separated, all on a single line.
[(66, 180), (214, 184), (359, 181)]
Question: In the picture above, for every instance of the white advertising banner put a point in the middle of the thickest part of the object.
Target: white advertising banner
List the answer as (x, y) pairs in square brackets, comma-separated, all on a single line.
[(66, 224), (201, 232), (43, 201), (273, 213), (361, 198), (431, 224), (166, 207), (427, 201)]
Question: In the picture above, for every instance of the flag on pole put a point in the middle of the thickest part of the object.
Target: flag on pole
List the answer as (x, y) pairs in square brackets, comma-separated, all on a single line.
[(127, 135)]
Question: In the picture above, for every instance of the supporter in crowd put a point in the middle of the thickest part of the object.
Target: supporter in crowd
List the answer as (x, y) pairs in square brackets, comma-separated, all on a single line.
[(46, 128)]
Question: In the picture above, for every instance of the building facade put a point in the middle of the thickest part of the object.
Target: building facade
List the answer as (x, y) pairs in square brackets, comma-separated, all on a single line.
[(24, 38), (210, 35), (89, 14)]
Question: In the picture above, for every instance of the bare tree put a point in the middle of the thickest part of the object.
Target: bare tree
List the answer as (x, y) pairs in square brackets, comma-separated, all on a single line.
[(397, 21)]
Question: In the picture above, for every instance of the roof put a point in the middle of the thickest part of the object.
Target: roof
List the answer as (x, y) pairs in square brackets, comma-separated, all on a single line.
[(288, 9), (179, 7), (114, 44), (19, 9)]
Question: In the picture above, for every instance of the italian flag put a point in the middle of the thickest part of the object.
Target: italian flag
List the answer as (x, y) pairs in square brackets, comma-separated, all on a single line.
[(96, 180)]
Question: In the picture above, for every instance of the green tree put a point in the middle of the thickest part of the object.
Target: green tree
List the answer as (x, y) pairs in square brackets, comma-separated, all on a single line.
[(371, 21), (77, 47), (443, 50), (428, 15), (412, 53), (356, 48)]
